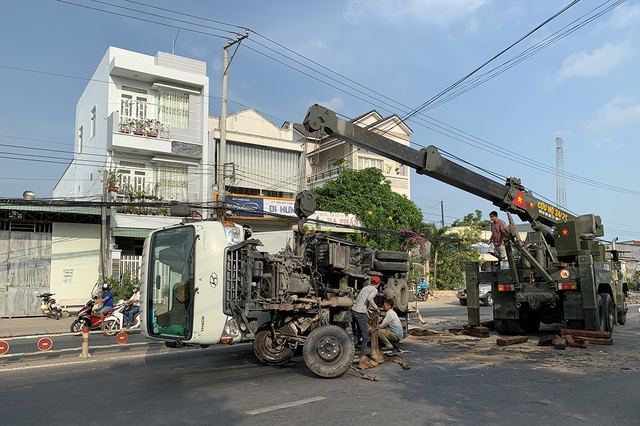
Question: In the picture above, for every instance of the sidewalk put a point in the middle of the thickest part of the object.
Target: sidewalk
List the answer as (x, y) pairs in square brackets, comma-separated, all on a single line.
[(35, 325)]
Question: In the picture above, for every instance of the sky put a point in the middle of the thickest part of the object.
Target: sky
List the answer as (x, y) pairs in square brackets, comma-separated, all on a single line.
[(535, 74)]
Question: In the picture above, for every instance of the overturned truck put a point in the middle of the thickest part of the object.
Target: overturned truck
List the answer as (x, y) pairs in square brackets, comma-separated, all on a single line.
[(208, 282)]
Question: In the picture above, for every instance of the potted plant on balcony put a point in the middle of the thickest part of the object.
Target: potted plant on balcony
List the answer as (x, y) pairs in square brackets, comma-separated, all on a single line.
[(113, 180), (151, 127), (138, 126)]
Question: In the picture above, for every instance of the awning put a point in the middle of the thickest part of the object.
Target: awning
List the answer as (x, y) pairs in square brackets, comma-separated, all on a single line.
[(130, 232)]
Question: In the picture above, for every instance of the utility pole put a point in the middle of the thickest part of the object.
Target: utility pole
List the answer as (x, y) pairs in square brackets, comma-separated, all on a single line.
[(104, 237), (223, 123), (442, 212)]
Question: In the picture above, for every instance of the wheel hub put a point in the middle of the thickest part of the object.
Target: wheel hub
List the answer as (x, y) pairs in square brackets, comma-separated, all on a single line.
[(329, 348)]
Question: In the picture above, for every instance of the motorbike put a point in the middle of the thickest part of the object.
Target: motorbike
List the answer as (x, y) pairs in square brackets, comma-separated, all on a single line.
[(114, 322), (422, 294), (86, 318), (49, 306)]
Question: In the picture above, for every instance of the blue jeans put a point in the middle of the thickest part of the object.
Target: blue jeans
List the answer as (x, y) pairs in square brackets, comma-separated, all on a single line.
[(362, 330), (130, 314)]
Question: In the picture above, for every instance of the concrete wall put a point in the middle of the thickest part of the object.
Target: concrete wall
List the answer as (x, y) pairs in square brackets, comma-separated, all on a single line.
[(75, 262)]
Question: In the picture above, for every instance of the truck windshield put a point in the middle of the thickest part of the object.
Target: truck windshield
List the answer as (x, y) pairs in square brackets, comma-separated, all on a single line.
[(171, 272)]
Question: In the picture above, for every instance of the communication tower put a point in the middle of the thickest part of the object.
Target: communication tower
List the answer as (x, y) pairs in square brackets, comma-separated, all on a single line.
[(561, 193)]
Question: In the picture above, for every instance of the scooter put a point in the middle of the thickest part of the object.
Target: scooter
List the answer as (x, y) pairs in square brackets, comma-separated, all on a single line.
[(114, 323), (49, 306), (86, 318)]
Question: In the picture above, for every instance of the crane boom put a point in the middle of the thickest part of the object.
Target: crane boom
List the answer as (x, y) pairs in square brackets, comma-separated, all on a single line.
[(510, 196)]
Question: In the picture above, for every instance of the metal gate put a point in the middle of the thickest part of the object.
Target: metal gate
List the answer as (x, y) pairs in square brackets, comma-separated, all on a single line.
[(25, 267)]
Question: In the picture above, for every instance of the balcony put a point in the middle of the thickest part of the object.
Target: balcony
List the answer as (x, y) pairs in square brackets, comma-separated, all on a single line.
[(147, 127)]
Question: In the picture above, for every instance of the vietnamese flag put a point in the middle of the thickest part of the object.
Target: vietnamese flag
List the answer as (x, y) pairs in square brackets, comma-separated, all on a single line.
[(518, 201)]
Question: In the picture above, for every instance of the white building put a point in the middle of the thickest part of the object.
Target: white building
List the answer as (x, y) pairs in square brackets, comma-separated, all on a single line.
[(144, 118)]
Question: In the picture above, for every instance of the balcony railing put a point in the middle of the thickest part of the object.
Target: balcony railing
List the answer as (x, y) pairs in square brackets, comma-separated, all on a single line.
[(319, 177), (147, 127)]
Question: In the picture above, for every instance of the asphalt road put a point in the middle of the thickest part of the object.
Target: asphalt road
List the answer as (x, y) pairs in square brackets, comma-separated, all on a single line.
[(452, 380)]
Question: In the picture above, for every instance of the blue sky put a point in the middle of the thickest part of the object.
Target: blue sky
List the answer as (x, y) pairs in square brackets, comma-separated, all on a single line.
[(576, 77)]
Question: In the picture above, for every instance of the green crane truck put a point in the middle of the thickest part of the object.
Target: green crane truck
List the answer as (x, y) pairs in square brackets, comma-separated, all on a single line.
[(560, 273)]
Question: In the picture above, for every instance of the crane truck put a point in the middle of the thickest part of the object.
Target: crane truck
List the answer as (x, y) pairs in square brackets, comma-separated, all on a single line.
[(560, 272), (211, 281)]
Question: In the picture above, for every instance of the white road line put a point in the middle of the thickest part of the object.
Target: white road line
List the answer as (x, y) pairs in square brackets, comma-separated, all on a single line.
[(286, 405)]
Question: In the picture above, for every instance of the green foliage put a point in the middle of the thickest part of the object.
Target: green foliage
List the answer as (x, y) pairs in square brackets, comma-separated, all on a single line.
[(368, 195), (123, 288), (473, 219), (453, 256)]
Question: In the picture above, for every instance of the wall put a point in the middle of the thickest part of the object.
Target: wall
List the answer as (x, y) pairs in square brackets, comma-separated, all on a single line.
[(75, 262)]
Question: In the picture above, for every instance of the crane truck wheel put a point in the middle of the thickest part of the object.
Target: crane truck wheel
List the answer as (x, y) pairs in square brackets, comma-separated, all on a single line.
[(515, 327), (270, 351), (622, 316), (601, 313), (328, 351), (610, 312), (499, 324)]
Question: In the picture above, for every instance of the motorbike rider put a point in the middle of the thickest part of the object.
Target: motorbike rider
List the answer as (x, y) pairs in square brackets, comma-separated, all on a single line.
[(133, 307), (106, 300), (423, 287)]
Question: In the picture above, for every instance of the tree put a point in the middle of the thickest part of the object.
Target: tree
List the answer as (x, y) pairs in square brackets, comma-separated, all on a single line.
[(473, 219), (368, 195), (455, 255)]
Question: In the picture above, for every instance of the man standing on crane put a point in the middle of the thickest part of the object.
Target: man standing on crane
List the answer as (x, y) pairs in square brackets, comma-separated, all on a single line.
[(497, 225)]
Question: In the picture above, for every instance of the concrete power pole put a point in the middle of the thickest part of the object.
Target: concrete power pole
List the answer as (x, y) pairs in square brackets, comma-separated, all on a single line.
[(223, 125)]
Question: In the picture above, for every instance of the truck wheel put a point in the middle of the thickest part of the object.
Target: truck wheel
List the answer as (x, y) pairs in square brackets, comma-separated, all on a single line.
[(601, 313), (328, 351), (401, 256), (515, 327), (610, 312), (383, 266), (402, 300), (270, 351), (463, 302), (500, 325), (622, 316)]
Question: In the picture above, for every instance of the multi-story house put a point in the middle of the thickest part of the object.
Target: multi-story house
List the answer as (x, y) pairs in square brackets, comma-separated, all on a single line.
[(327, 156), (142, 134)]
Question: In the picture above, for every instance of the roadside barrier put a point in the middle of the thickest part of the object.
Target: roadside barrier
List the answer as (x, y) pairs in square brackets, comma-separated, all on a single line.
[(45, 343)]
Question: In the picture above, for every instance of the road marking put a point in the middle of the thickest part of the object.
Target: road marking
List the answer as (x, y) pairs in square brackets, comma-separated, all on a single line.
[(285, 405)]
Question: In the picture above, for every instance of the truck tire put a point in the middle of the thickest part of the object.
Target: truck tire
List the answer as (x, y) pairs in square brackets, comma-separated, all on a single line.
[(515, 327), (622, 316), (328, 351), (269, 351), (385, 266), (397, 256), (463, 302), (402, 299), (499, 324), (601, 313), (610, 312)]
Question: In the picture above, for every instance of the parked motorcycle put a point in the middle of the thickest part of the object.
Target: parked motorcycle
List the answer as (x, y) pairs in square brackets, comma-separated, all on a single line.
[(114, 323), (49, 306), (86, 318)]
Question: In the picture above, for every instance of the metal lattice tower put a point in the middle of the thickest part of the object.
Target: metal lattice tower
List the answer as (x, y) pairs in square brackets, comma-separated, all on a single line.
[(561, 193)]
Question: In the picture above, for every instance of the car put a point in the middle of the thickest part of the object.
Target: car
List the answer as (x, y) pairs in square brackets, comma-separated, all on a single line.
[(485, 295)]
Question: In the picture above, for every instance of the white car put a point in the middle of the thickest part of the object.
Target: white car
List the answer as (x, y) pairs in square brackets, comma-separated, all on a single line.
[(485, 295)]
